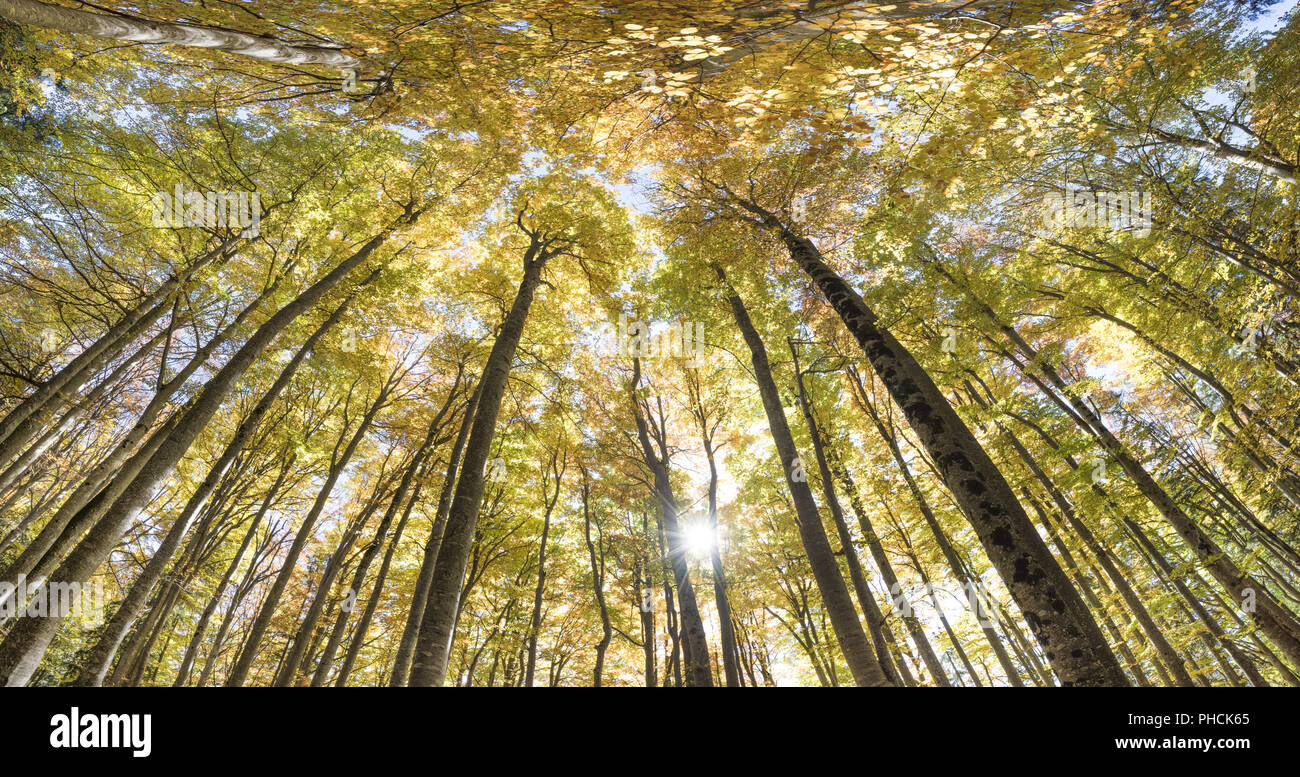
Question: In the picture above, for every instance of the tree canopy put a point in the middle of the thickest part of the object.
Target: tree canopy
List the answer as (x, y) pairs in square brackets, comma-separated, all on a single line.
[(489, 342)]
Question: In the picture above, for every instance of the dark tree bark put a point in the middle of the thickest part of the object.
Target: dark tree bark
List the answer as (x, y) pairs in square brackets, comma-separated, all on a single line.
[(1059, 619), (708, 430), (596, 554), (559, 462), (958, 566), (693, 643)]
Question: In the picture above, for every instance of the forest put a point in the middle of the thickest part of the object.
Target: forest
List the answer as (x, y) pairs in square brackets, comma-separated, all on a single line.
[(650, 343)]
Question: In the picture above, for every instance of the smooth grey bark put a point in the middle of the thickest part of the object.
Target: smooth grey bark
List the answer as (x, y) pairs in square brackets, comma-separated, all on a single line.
[(420, 596), (1172, 661), (1220, 149), (896, 674), (96, 662), (93, 399), (861, 659), (87, 503), (433, 643), (252, 643), (306, 639), (407, 487), (80, 511), (363, 623), (54, 17), (28, 417), (645, 605), (22, 649), (252, 576), (1278, 623), (1285, 481), (1167, 572)]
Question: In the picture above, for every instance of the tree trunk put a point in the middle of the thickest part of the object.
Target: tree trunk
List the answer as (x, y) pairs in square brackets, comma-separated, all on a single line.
[(535, 621), (20, 423), (862, 661), (730, 655), (96, 663), (1059, 619), (23, 648), (405, 487), (196, 639), (875, 619), (130, 28), (693, 642), (433, 645), (420, 596), (597, 580)]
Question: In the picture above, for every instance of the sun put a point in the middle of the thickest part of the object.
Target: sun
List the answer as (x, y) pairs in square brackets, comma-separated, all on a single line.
[(699, 539)]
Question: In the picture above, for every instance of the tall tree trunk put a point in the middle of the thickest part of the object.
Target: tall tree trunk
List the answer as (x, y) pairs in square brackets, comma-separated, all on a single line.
[(420, 596), (730, 655), (92, 400), (304, 642), (1168, 656), (556, 472), (862, 661), (958, 566), (1059, 619), (196, 639), (253, 642), (1274, 620), (130, 28), (96, 663), (597, 580), (672, 648), (645, 605), (406, 487), (23, 648), (433, 645), (693, 643), (870, 610), (29, 416)]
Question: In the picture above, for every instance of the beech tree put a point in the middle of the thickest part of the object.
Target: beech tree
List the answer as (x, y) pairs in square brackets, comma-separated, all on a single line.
[(495, 343)]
